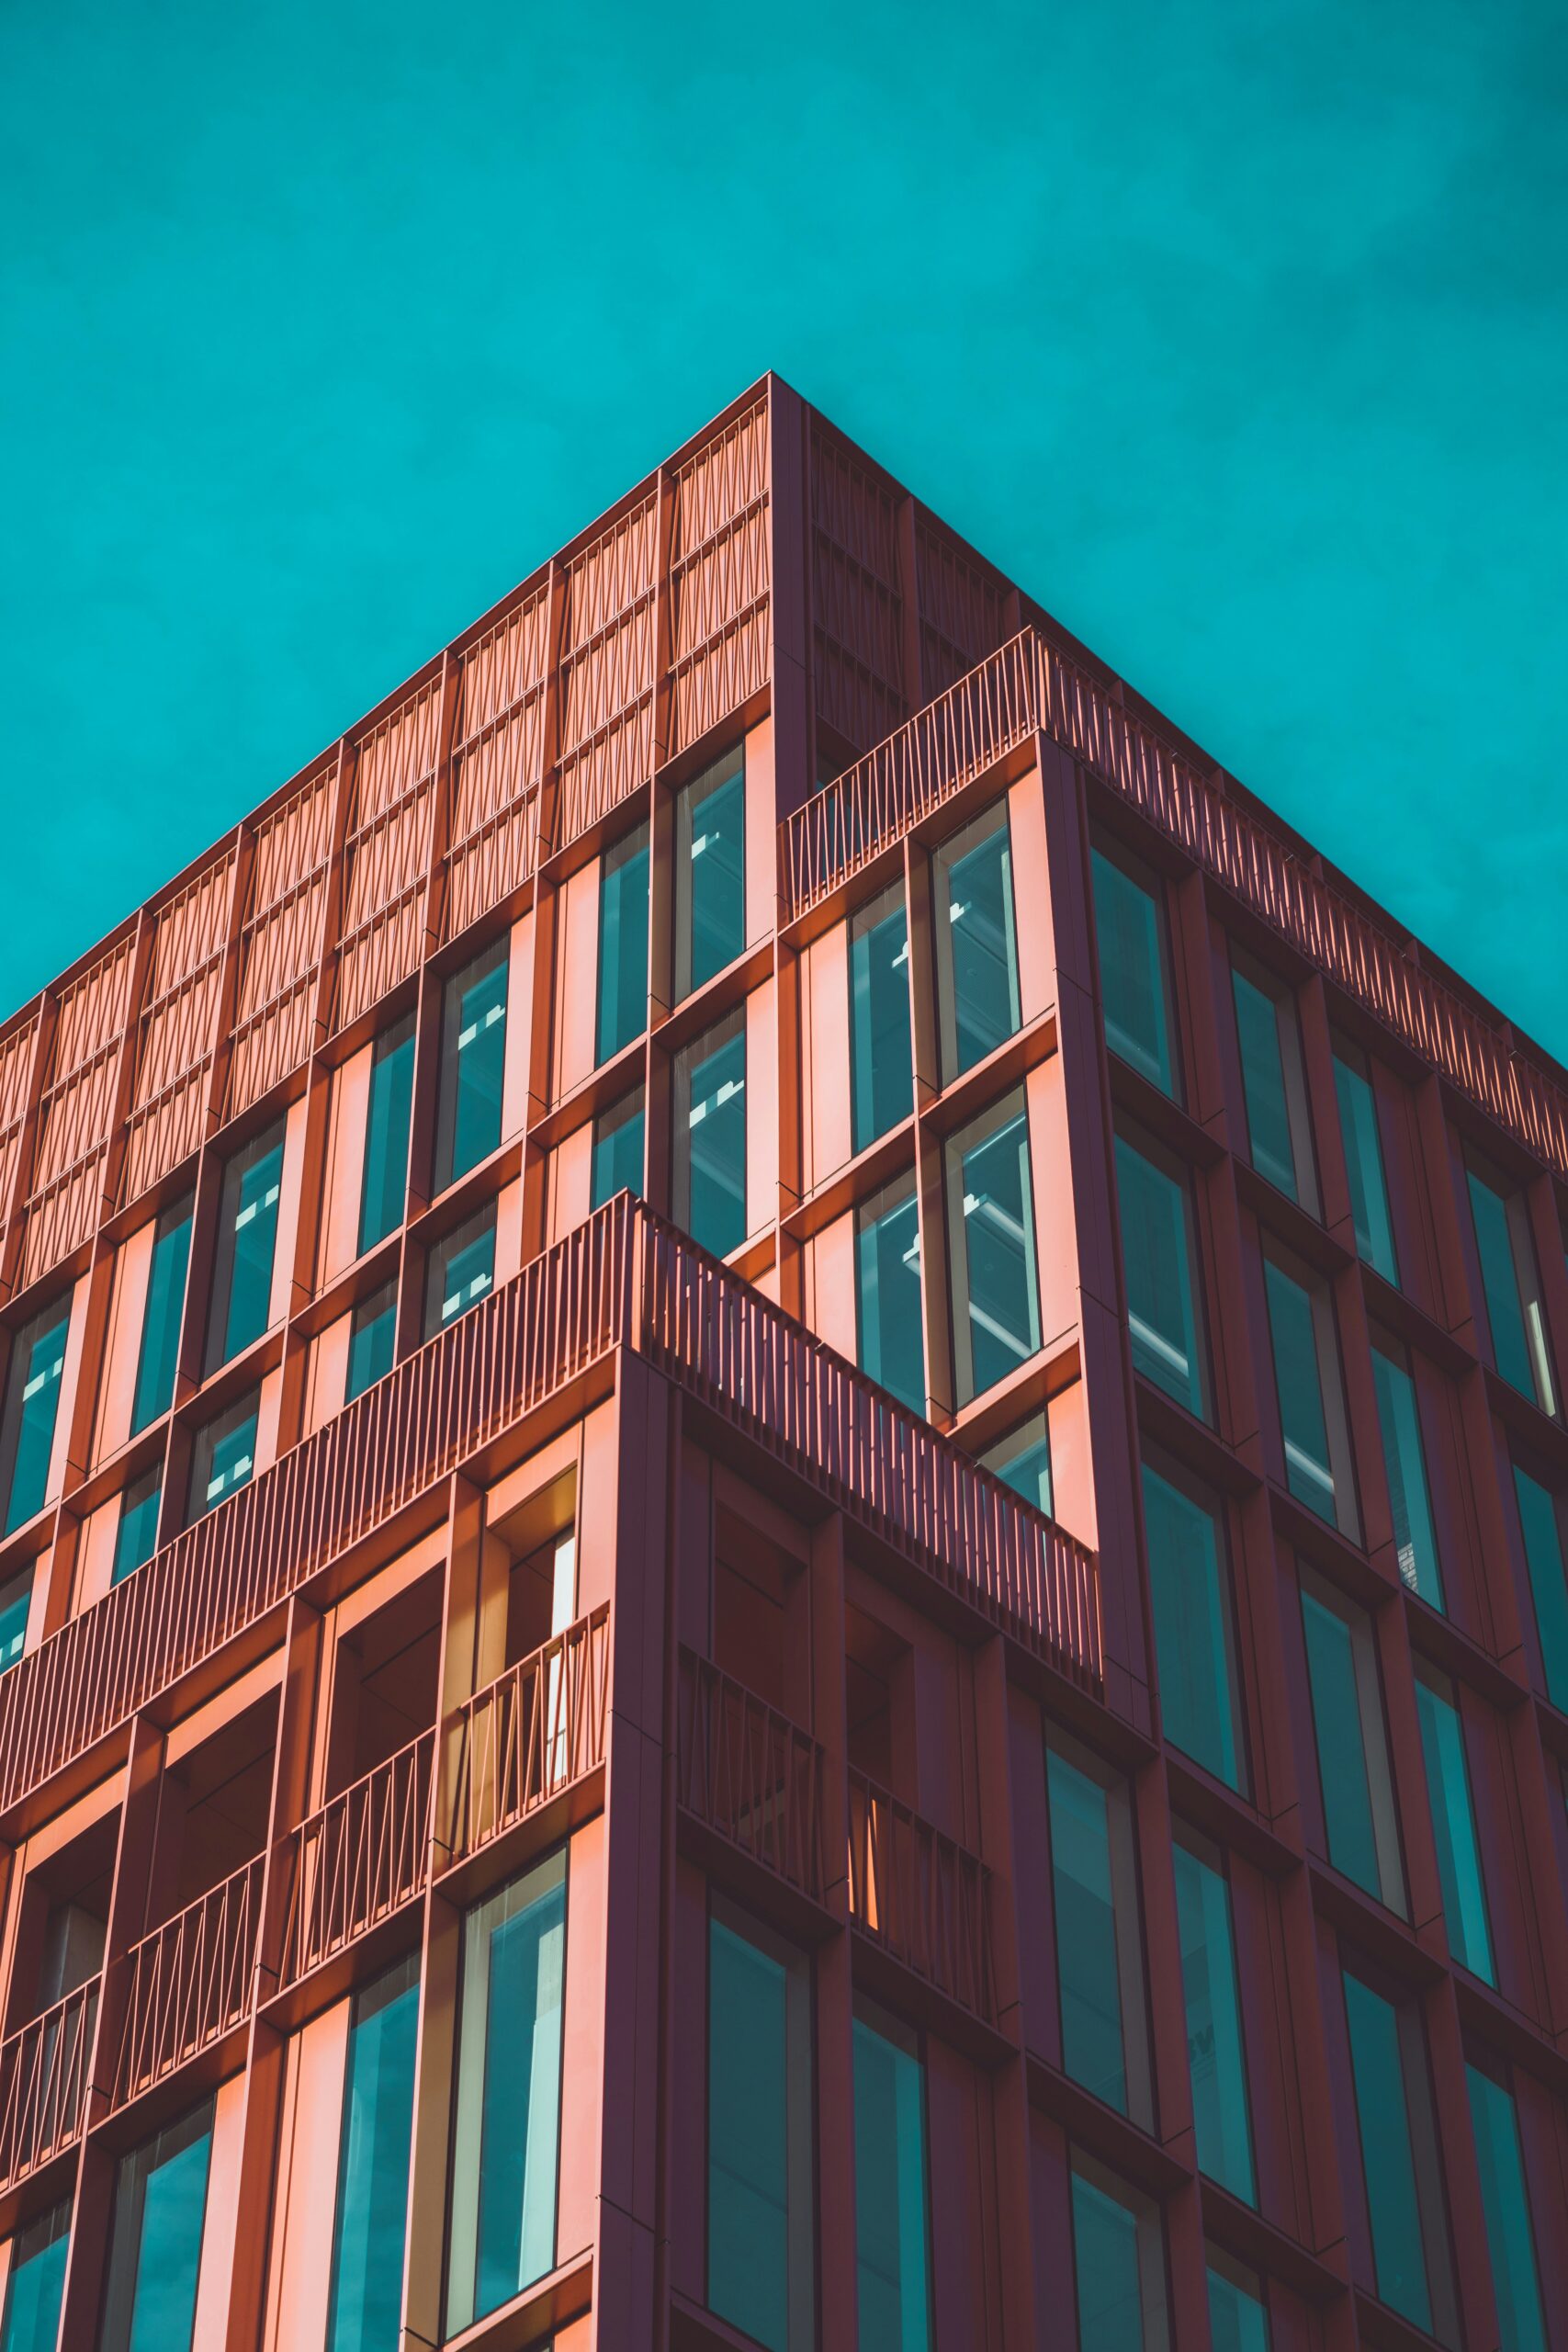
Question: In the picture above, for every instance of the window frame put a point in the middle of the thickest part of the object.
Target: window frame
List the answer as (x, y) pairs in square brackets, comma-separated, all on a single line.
[(494, 955), (865, 921), (1328, 1367), (1128, 1135), (1535, 1330), (800, 2159), (614, 859), (251, 1154), (443, 1250), (727, 767), (1357, 1067), (987, 1126), (1126, 1920), (694, 1055), (1292, 1076), (945, 855), (1107, 849), (899, 1194), (1377, 1756)]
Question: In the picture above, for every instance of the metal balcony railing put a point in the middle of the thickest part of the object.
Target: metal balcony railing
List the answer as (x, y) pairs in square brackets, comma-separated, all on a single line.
[(189, 1982), (749, 1774), (530, 1734), (43, 2083), (358, 1859), (921, 1896)]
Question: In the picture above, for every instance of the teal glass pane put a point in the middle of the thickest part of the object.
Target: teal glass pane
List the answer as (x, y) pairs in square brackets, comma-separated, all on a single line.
[(517, 2221), (1001, 1301), (1405, 1464), (1269, 1136), (711, 863), (371, 1340), (225, 1458), (617, 1152), (1192, 1637), (1237, 2320), (1083, 1900), (1363, 1166), (892, 2266), (1499, 1279), (16, 1603), (462, 1271), (37, 1364), (1453, 1828), (155, 2263), (164, 1311), (1022, 1460), (35, 2284), (715, 1143), (1308, 1471), (384, 1189), (1109, 2276), (623, 945), (136, 1538), (1341, 1748), (888, 1301), (980, 965), (1131, 972), (748, 2138), (252, 1191), (881, 1060), (1505, 2203), (1221, 2120), (1156, 1255), (364, 2306), (476, 1064), (1549, 1583), (1388, 2162)]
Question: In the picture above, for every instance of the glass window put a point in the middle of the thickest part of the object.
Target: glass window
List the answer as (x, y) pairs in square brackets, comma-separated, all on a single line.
[(1363, 1160), (1543, 1533), (1238, 2316), (1022, 1460), (247, 1240), (1094, 1901), (160, 2211), (618, 1150), (1119, 2261), (887, 1293), (159, 1356), (623, 945), (1404, 1462), (136, 1537), (892, 2258), (36, 2282), (1398, 2138), (976, 944), (1216, 2052), (461, 1271), (880, 1053), (16, 1606), (473, 1063), (1189, 1593), (759, 2182), (1506, 2206), (223, 1455), (1352, 1749), (372, 1337), (1453, 1821), (1300, 1332), (502, 2232), (1273, 1089), (1515, 1313), (1158, 1260), (1129, 918), (383, 1192), (710, 872), (32, 1406), (996, 1292), (364, 2304), (710, 1137)]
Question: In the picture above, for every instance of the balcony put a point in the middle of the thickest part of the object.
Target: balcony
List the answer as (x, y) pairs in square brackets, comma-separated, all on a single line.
[(750, 1777), (189, 1983), (532, 1735), (43, 2084), (357, 1861), (921, 1899)]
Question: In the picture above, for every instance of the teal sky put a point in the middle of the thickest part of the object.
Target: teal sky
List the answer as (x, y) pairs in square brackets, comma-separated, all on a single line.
[(1238, 334)]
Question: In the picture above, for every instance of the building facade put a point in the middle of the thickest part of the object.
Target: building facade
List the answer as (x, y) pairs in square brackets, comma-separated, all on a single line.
[(784, 1510)]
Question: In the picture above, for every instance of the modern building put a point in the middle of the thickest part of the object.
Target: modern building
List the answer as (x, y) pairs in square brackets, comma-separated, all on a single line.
[(784, 1490)]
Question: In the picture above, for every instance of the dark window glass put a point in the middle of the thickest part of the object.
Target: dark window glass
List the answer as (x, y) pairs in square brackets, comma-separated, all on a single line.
[(893, 2261), (247, 1240), (976, 945), (1393, 2114), (1293, 1316), (36, 2283), (224, 1455), (1191, 1597), (882, 1067), (461, 1271), (1022, 1460), (383, 1195), (1274, 1096), (1542, 1534), (1221, 2117), (618, 1150), (1505, 2203), (1130, 921), (372, 1338), (710, 872), (1515, 1313), (473, 1063), (887, 1293), (32, 1406), (1405, 1464), (996, 1302), (623, 945), (136, 1538), (1363, 1161), (1119, 2262), (160, 2211), (159, 1357), (1095, 1911), (1352, 1748), (1158, 1259), (760, 2273), (365, 2305), (1453, 1821), (1238, 2316), (710, 1137), (16, 1605)]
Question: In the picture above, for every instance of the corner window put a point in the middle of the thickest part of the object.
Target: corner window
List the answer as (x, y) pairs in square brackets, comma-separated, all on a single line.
[(881, 1064), (1515, 1314), (710, 1137), (996, 1290), (473, 1063), (32, 1407), (365, 2299), (461, 1269), (1352, 1745), (887, 1293), (1363, 1160), (136, 1537), (1094, 1901), (224, 1456), (760, 2133), (372, 1337), (158, 1359), (1541, 1528), (976, 942), (1194, 1652), (1159, 1263), (623, 945), (247, 1242), (384, 1183), (710, 872), (1119, 2262), (1506, 2207), (1453, 1821), (1306, 1381), (1411, 2264), (1217, 2056), (35, 2283), (1273, 1084), (618, 1150), (1405, 1464), (1134, 991), (160, 2213), (892, 2249), (1022, 1460)]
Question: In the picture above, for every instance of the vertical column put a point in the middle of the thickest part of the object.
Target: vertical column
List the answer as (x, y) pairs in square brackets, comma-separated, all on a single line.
[(835, 1971), (789, 601)]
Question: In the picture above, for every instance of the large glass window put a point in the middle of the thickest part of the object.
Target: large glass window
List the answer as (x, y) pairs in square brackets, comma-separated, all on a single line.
[(136, 1537), (976, 943), (710, 872), (1190, 1591), (892, 2253), (887, 1293), (1273, 1087), (507, 2130), (1543, 1530), (1363, 1160), (710, 1137), (1158, 1260), (881, 1066), (1516, 1315), (160, 2211), (16, 1606), (32, 1406), (1399, 2160), (1405, 1464), (623, 945), (384, 1185), (1216, 2052), (1506, 2206), (1128, 918), (159, 1356), (1300, 1332), (1352, 1747), (35, 2283), (461, 1269), (364, 2306), (1022, 1460), (996, 1290), (223, 1455), (1119, 2262), (247, 1240), (473, 1063), (1238, 2316), (760, 2179), (1453, 1821), (1094, 1901), (372, 1339), (618, 1150)]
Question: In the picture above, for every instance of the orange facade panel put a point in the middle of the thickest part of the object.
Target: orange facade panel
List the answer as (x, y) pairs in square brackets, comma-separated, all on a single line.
[(177, 1027), (280, 941), (498, 763), (387, 852)]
